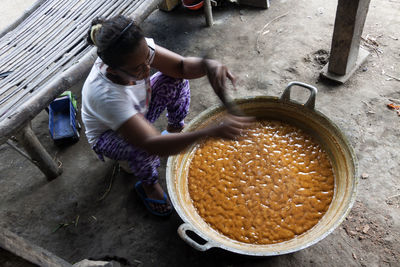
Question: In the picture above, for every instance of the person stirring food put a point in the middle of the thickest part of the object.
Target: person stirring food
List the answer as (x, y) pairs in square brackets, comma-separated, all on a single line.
[(120, 101)]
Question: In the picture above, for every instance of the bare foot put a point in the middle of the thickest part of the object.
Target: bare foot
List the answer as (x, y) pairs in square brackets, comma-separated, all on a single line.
[(155, 191)]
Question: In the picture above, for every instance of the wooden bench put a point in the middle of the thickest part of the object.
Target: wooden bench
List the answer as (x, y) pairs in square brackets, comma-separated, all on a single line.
[(45, 53)]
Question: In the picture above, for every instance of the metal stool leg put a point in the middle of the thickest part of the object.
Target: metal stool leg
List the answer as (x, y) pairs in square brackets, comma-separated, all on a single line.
[(208, 13)]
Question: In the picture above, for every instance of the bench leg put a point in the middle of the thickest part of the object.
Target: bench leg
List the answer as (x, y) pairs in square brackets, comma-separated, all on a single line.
[(36, 151)]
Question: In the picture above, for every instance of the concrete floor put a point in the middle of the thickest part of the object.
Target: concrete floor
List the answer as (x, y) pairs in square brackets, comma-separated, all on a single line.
[(120, 226)]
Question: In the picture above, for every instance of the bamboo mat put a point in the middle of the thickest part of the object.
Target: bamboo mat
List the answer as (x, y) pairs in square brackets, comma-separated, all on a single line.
[(48, 42)]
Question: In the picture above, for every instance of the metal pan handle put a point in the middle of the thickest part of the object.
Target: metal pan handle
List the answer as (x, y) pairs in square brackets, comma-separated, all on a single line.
[(182, 233), (311, 100)]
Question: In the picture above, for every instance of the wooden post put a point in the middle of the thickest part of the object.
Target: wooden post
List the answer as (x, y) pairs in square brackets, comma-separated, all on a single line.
[(36, 151), (208, 13), (346, 55), (28, 251)]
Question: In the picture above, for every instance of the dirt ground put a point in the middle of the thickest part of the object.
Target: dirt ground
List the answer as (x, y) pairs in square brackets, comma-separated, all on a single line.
[(120, 226)]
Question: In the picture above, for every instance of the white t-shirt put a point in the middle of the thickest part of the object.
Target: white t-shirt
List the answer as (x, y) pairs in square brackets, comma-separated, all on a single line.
[(107, 105)]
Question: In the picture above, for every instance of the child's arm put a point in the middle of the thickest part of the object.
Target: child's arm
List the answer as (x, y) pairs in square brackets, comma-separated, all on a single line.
[(140, 133)]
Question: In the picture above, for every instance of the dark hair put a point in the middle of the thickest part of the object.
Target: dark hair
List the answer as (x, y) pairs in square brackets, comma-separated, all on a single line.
[(115, 38)]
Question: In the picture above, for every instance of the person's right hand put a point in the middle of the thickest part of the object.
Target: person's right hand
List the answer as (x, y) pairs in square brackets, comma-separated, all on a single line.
[(230, 127)]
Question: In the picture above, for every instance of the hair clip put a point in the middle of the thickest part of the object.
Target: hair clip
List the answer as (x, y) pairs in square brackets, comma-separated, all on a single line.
[(120, 35)]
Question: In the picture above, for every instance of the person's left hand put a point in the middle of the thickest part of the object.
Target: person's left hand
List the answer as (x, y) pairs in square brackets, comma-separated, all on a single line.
[(217, 74)]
